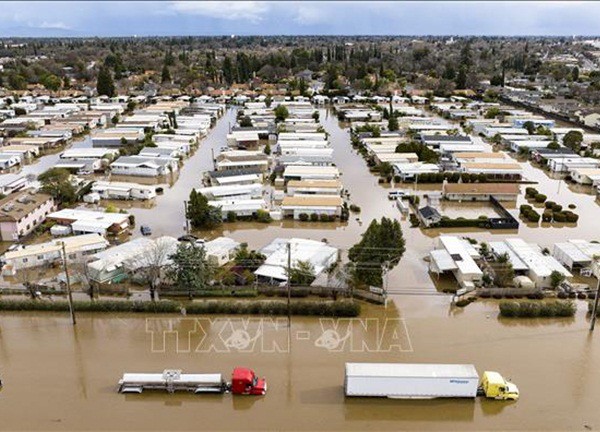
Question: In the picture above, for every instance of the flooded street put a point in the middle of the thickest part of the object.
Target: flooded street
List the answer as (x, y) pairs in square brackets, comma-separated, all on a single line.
[(305, 381)]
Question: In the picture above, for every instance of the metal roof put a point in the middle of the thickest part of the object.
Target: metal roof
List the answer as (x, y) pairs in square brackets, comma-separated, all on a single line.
[(416, 370)]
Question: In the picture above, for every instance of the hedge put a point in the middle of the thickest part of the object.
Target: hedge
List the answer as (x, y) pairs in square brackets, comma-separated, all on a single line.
[(162, 306), (341, 308), (546, 309)]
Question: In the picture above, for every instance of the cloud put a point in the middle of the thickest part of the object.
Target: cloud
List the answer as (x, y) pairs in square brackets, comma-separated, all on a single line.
[(253, 11), (51, 25), (309, 15)]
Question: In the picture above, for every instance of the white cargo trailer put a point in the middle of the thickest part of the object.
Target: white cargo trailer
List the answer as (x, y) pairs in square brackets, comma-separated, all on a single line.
[(411, 381)]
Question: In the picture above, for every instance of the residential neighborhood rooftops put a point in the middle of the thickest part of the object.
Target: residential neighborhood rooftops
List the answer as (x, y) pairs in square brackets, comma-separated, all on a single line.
[(72, 243), (312, 201), (482, 188), (314, 183), (20, 204)]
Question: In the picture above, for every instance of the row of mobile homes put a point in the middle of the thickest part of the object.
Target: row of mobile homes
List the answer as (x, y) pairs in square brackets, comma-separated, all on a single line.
[(77, 248)]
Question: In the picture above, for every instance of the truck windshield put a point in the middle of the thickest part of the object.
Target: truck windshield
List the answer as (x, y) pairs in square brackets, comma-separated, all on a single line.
[(254, 381)]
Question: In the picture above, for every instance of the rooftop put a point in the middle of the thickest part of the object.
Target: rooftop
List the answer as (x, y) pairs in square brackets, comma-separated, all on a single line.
[(20, 204), (312, 201), (483, 188)]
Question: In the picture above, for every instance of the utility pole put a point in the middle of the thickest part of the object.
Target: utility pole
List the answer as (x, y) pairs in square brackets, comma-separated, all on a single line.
[(185, 212), (289, 282), (595, 309), (69, 295)]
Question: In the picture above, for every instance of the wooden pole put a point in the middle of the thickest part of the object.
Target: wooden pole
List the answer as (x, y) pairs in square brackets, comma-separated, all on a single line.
[(289, 282), (595, 309), (68, 279)]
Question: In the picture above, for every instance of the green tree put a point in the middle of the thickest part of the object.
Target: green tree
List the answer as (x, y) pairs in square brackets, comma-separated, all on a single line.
[(51, 82), (492, 113), (302, 273), (105, 84), (17, 81), (281, 113), (573, 140), (393, 123), (190, 270), (556, 278), (382, 246), (246, 122), (461, 78), (165, 75), (267, 149), (530, 126), (248, 259), (386, 169), (201, 214), (553, 145), (503, 271), (56, 182), (228, 73)]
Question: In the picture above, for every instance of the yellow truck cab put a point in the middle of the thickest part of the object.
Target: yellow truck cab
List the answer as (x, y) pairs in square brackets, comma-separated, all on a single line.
[(495, 386)]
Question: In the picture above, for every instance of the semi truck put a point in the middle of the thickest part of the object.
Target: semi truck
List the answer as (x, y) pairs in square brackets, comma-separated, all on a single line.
[(424, 381), (243, 382)]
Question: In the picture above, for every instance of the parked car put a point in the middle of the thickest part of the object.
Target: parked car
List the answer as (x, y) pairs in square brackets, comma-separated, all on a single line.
[(146, 230)]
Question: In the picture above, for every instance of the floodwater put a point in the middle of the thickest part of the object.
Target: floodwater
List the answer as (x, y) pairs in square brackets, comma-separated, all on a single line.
[(165, 214), (57, 377)]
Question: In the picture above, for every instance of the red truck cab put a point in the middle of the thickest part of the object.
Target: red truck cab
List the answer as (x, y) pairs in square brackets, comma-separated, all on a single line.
[(245, 382)]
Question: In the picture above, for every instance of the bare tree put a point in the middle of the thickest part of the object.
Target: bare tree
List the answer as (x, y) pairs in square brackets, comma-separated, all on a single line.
[(82, 272), (152, 263), (26, 277)]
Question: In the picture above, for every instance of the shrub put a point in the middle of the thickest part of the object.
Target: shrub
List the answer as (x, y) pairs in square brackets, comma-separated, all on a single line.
[(231, 216), (303, 217), (547, 309), (549, 204), (397, 179), (530, 192), (571, 217), (531, 215), (414, 220), (540, 198), (314, 217), (263, 216), (547, 216), (354, 208), (560, 217), (524, 208), (572, 206), (162, 306), (342, 308), (324, 217), (557, 207)]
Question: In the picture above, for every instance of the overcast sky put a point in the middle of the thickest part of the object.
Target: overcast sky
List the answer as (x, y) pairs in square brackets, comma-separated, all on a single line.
[(171, 18)]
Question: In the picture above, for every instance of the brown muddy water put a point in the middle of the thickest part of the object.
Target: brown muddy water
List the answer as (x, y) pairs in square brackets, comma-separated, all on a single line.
[(57, 377)]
